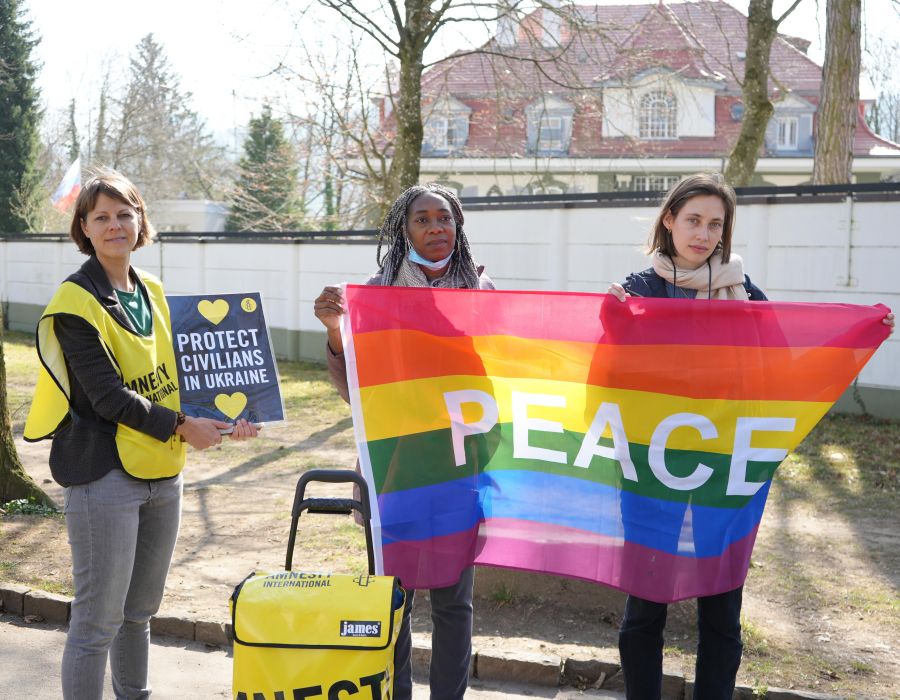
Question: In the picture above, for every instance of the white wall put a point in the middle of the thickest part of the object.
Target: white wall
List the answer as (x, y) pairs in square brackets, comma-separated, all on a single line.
[(844, 251)]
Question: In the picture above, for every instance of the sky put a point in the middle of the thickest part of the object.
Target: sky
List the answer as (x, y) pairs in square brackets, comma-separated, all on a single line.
[(225, 51)]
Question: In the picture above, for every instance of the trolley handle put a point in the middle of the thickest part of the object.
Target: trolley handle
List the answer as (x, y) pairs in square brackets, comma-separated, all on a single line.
[(336, 506)]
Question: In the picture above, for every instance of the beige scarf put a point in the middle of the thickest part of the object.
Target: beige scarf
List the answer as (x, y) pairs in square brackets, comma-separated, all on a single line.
[(725, 279), (411, 275)]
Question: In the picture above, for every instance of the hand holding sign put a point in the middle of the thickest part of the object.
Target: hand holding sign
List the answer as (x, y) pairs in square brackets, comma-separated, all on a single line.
[(226, 368)]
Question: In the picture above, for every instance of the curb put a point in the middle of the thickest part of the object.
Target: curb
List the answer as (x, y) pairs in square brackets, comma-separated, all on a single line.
[(535, 669)]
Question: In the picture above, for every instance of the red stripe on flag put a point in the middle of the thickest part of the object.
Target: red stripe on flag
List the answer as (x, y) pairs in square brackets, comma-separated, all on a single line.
[(601, 318)]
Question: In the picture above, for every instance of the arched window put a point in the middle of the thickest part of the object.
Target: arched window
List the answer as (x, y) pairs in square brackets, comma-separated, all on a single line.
[(659, 115), (546, 184)]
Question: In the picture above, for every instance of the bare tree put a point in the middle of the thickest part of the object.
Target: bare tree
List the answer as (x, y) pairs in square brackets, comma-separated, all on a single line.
[(884, 115), (405, 32), (762, 28), (149, 132), (346, 153), (839, 107)]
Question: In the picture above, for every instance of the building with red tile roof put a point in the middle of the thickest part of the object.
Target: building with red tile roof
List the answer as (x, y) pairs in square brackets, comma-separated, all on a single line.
[(621, 97)]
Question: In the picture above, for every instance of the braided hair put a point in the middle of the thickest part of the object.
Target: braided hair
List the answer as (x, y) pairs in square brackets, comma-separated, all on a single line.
[(393, 234)]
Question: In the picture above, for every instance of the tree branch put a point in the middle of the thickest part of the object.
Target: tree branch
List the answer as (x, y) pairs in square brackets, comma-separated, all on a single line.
[(362, 22)]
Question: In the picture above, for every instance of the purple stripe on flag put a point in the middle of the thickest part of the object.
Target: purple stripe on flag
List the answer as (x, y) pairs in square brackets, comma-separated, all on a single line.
[(431, 563), (642, 571), (529, 546)]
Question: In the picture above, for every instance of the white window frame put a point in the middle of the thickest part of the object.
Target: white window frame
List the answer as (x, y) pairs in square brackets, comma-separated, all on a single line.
[(438, 128), (658, 119), (549, 124), (653, 183), (788, 133)]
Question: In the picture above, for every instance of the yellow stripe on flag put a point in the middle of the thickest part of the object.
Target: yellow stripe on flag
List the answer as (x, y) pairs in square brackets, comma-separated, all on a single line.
[(418, 406)]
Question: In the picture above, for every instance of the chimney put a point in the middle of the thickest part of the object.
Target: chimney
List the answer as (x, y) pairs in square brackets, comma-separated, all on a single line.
[(551, 23), (507, 27)]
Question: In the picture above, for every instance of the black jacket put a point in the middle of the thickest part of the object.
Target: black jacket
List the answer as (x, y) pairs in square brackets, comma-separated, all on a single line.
[(650, 284), (84, 447)]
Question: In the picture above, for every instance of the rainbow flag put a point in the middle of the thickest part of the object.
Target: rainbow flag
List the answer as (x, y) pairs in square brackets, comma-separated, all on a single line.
[(631, 444)]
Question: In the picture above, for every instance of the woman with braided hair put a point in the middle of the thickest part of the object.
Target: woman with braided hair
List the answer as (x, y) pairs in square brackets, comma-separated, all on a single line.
[(426, 247)]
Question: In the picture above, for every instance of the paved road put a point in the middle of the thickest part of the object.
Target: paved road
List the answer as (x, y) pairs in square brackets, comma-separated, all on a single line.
[(30, 654)]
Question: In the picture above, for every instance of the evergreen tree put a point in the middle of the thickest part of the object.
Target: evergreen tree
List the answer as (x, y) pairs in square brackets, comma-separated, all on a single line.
[(73, 143), (20, 119), (154, 137), (265, 194), (98, 148)]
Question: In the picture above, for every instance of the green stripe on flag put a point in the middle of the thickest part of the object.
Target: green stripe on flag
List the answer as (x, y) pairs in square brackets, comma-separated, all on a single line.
[(426, 459)]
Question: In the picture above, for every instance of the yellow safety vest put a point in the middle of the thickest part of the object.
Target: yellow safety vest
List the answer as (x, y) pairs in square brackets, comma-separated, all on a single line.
[(144, 364)]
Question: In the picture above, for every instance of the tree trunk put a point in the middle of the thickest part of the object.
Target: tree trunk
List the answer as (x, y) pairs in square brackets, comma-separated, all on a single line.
[(761, 31), (14, 481), (404, 170), (839, 106)]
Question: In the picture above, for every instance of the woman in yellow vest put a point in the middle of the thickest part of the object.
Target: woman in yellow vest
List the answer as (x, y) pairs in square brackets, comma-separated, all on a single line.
[(108, 397)]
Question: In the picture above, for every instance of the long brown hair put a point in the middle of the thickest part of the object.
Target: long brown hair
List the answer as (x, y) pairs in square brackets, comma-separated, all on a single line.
[(692, 186)]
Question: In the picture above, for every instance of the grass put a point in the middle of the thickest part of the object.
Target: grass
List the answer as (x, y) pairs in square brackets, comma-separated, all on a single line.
[(503, 595), (861, 667), (21, 375), (755, 642), (846, 456)]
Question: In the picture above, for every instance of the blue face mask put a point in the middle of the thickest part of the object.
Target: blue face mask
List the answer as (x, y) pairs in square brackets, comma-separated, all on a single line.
[(419, 260)]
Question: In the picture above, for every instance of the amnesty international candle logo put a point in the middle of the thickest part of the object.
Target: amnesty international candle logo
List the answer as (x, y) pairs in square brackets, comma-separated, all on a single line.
[(226, 368)]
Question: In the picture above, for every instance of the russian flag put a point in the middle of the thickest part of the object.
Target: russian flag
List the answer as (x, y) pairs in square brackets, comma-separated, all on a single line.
[(69, 188)]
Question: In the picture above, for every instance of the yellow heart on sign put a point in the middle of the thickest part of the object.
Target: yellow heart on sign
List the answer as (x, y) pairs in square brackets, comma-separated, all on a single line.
[(213, 311), (232, 405)]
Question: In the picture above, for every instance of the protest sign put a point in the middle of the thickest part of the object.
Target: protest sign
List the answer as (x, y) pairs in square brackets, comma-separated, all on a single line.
[(226, 368)]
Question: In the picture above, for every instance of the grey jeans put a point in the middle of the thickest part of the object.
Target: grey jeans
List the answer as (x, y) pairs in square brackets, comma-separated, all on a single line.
[(122, 532), (451, 641)]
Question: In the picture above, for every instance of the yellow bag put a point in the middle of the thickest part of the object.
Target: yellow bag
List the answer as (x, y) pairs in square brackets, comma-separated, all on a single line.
[(301, 635)]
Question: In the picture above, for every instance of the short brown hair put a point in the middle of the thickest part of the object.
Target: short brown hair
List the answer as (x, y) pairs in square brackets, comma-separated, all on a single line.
[(692, 186), (112, 184)]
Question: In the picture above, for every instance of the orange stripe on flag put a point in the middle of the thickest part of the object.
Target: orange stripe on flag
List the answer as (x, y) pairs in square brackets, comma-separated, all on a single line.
[(697, 371)]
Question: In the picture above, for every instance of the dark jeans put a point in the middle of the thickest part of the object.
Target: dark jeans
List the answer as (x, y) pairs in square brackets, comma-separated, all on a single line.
[(451, 642), (718, 646)]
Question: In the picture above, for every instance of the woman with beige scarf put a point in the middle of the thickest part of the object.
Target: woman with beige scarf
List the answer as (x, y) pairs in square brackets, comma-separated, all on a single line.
[(690, 248), (426, 247), (690, 245)]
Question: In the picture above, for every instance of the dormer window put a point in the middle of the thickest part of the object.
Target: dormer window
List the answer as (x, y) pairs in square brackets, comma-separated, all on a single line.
[(446, 128), (440, 132), (659, 115), (789, 131), (549, 126), (788, 128), (551, 134)]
